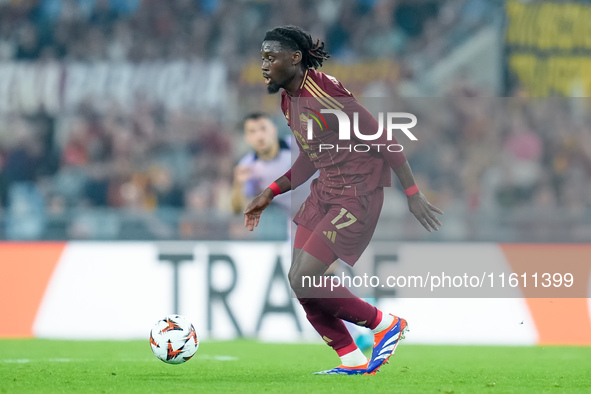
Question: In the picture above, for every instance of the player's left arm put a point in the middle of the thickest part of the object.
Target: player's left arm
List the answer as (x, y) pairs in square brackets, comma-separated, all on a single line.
[(418, 205)]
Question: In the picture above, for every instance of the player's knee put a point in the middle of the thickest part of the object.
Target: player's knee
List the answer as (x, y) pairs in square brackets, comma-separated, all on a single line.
[(296, 254), (296, 282), (304, 274), (294, 279)]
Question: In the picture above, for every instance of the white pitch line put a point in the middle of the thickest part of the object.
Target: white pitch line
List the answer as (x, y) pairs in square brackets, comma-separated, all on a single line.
[(216, 357)]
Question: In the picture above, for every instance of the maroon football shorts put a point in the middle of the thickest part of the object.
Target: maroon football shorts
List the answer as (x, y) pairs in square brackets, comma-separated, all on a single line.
[(344, 223)]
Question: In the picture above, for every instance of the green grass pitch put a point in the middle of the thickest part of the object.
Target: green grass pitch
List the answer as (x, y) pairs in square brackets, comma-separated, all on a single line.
[(44, 366)]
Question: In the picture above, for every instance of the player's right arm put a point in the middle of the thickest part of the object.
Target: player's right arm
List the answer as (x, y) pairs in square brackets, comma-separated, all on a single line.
[(301, 170), (418, 205), (252, 213)]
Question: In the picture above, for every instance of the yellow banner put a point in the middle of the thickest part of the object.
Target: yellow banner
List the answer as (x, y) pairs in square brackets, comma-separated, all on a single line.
[(550, 46)]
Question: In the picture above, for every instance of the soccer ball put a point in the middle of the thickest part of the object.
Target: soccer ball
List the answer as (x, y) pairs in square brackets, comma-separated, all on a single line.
[(174, 339)]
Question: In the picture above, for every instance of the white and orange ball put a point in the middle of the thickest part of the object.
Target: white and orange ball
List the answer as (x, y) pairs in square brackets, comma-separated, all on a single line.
[(174, 339)]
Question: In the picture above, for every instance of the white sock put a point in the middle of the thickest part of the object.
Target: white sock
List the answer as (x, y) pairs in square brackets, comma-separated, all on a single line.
[(387, 319), (353, 359)]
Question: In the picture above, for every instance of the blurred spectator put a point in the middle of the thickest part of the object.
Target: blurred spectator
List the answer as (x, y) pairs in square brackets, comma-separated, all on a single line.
[(103, 16), (75, 151), (163, 191), (28, 46), (7, 42)]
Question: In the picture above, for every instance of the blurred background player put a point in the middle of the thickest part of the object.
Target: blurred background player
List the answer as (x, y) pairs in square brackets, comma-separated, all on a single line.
[(270, 158)]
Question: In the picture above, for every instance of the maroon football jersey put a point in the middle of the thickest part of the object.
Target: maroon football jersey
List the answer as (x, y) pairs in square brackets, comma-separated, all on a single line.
[(342, 169)]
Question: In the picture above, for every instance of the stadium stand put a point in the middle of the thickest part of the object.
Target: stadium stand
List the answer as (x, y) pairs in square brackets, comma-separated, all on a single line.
[(151, 168)]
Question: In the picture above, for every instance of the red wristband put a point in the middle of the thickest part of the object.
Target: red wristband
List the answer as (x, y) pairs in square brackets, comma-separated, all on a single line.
[(414, 189), (275, 188)]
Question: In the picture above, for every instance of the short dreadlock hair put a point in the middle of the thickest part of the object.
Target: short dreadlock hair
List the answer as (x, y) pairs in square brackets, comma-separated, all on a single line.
[(296, 39)]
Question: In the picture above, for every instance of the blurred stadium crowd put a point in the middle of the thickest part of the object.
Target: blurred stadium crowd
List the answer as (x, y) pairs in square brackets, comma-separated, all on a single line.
[(504, 170), (139, 30)]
